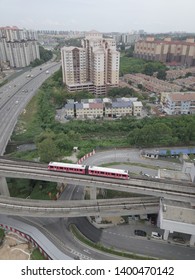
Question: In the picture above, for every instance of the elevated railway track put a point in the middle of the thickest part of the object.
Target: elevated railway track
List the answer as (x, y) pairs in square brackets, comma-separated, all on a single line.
[(78, 208), (175, 190)]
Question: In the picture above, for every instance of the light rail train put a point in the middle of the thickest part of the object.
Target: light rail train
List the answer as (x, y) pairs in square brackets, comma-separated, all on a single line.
[(89, 170)]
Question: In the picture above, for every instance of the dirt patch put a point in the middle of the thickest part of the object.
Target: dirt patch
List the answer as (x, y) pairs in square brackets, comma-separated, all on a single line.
[(15, 247), (73, 157), (113, 220)]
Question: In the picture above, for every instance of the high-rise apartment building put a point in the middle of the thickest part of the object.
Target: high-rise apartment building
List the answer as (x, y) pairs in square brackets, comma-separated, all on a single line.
[(18, 47), (94, 67), (168, 51)]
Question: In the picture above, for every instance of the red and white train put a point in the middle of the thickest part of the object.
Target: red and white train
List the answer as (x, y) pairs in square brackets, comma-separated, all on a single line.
[(89, 170)]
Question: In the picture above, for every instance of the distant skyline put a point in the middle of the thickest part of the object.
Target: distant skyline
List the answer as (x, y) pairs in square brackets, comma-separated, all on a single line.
[(152, 16)]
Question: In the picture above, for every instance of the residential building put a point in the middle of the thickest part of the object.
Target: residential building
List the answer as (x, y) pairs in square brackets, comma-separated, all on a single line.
[(122, 108), (151, 83), (179, 73), (137, 108), (186, 83), (69, 110), (129, 38), (94, 67), (98, 108), (89, 110), (18, 47), (179, 103), (167, 51)]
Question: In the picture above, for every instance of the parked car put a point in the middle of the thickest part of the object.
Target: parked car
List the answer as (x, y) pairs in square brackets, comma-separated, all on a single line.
[(139, 232), (156, 235)]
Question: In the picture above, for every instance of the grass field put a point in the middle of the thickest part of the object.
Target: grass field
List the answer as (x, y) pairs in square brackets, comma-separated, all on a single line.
[(131, 65)]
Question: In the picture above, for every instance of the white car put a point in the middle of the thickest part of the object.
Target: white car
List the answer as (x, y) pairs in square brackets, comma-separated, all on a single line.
[(156, 235)]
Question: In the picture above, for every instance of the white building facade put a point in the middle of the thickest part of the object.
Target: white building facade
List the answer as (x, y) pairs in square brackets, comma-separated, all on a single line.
[(179, 103)]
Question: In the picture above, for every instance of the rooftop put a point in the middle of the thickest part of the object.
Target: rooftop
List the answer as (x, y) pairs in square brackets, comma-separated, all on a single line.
[(187, 96), (179, 212)]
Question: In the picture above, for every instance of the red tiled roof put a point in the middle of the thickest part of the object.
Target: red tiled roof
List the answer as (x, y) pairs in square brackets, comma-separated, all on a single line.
[(182, 97), (168, 42), (96, 105)]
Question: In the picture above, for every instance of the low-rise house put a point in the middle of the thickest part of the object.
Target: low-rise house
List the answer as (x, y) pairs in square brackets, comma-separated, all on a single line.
[(122, 108), (97, 108), (137, 108), (179, 103), (69, 110)]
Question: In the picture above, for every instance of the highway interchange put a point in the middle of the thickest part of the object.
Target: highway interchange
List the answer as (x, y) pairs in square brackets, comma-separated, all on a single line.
[(13, 98)]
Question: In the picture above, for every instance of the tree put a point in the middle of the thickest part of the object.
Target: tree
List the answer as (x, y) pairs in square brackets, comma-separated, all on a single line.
[(48, 150), (161, 75), (140, 86), (122, 47), (152, 99), (188, 74), (149, 69), (168, 153), (64, 142), (45, 55), (129, 52)]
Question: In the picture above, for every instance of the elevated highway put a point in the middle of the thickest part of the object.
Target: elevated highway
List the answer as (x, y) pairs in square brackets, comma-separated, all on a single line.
[(173, 190), (15, 97)]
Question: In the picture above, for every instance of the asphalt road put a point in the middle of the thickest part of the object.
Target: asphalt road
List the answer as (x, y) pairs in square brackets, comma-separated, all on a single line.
[(15, 95)]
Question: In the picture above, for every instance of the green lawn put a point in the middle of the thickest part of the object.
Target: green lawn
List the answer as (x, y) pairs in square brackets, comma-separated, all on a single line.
[(131, 65)]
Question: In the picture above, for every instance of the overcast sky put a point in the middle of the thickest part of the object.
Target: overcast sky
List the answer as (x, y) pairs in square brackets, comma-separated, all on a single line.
[(101, 15)]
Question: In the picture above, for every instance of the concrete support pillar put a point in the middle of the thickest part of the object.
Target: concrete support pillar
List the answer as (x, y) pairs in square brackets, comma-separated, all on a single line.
[(192, 240), (4, 187), (93, 193), (166, 234)]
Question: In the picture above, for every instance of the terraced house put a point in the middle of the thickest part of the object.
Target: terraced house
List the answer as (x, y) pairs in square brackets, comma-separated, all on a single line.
[(98, 108)]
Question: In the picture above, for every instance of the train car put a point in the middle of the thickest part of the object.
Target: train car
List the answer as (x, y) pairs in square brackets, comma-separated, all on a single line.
[(107, 172), (67, 167)]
